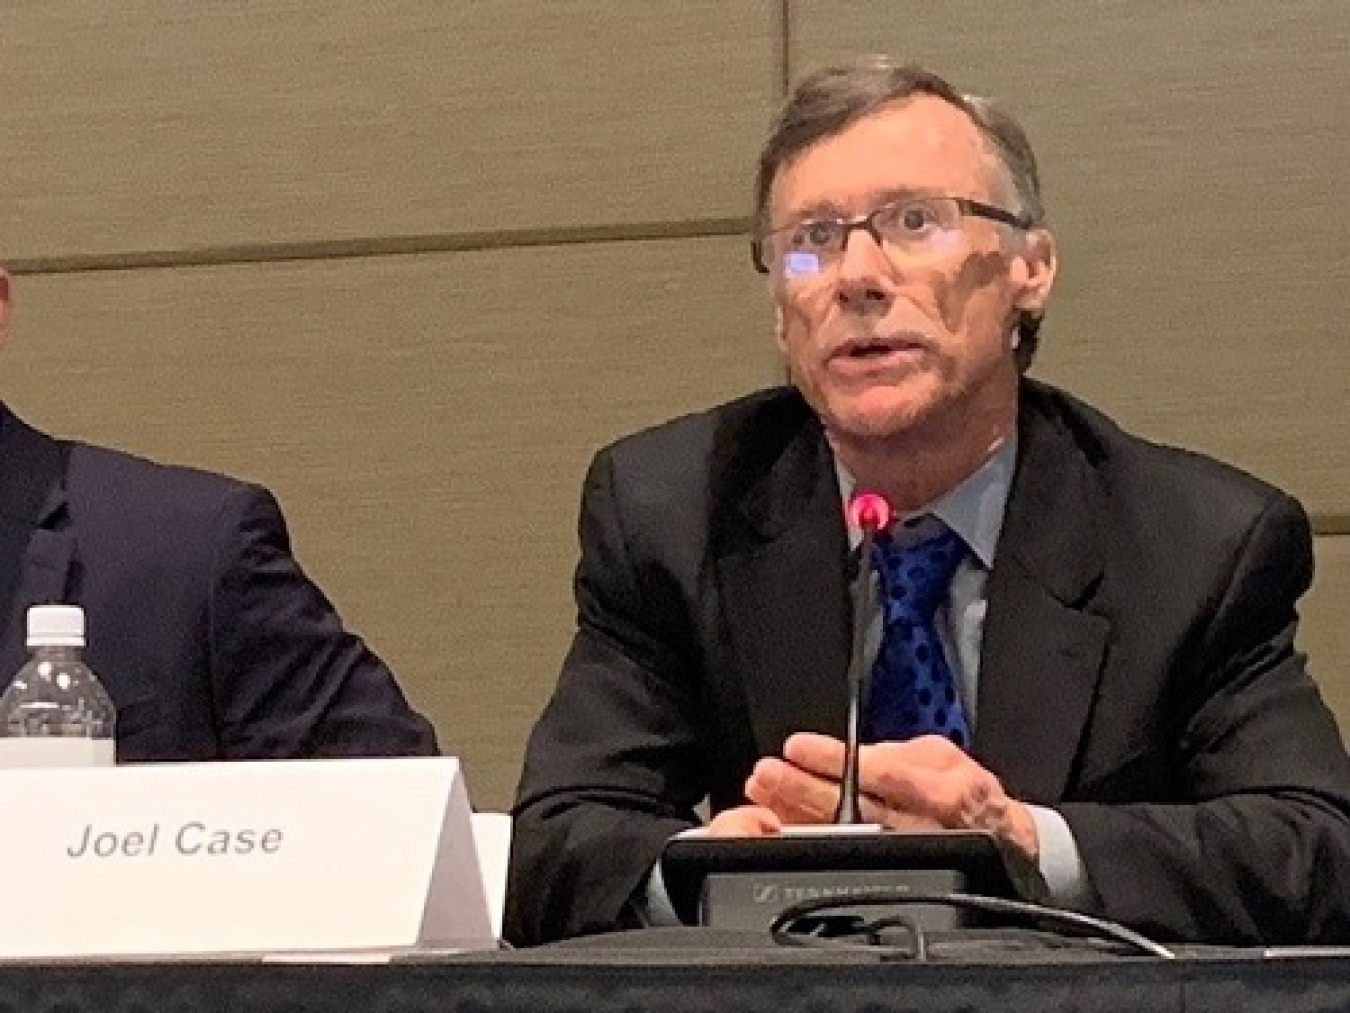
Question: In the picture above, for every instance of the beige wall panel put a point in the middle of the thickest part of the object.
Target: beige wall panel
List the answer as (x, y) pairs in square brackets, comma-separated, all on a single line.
[(1326, 626), (1194, 158), (168, 125), (426, 421)]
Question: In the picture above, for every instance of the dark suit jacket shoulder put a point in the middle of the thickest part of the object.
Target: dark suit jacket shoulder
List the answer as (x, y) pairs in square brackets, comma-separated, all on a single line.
[(208, 634), (1189, 495)]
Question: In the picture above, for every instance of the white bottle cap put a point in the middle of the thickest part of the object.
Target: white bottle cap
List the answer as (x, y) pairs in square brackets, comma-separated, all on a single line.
[(56, 626)]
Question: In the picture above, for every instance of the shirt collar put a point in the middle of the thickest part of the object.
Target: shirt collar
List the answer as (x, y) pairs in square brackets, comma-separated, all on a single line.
[(974, 509)]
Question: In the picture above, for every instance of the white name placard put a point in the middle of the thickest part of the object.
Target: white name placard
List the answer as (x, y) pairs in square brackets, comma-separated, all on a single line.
[(265, 857)]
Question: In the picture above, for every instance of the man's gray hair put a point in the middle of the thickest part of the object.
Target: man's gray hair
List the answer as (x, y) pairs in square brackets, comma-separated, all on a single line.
[(828, 101)]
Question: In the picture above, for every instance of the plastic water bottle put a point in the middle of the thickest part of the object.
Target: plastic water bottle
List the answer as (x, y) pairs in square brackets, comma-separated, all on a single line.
[(56, 713)]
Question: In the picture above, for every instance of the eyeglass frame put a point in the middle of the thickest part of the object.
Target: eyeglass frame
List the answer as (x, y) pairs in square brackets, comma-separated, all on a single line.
[(867, 223)]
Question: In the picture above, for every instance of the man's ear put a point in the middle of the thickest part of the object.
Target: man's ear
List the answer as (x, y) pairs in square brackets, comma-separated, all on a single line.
[(5, 303), (778, 328), (1033, 270)]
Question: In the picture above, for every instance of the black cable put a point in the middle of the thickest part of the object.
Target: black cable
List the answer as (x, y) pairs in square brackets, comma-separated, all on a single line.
[(781, 932), (875, 946), (919, 938)]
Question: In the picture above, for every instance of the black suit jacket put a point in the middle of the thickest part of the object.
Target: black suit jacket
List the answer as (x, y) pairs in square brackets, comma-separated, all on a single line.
[(201, 625), (1138, 670)]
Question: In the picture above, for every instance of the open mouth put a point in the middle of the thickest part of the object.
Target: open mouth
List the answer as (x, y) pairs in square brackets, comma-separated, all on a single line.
[(875, 349), (871, 350)]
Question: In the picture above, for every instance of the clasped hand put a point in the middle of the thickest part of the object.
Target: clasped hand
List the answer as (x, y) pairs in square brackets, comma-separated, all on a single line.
[(925, 783)]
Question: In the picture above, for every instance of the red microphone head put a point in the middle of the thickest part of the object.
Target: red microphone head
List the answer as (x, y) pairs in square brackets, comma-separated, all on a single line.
[(868, 511)]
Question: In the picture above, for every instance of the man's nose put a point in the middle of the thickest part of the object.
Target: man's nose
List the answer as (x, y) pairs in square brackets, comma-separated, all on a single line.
[(865, 272)]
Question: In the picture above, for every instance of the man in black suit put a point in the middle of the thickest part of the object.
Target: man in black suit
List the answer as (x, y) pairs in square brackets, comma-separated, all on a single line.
[(203, 628), (1113, 685)]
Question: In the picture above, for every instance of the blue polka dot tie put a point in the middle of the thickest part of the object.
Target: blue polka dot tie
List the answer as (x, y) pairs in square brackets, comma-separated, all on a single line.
[(913, 691)]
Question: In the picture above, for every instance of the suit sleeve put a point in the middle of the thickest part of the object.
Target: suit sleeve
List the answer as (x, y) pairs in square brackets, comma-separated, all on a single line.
[(288, 680), (1256, 849), (613, 767)]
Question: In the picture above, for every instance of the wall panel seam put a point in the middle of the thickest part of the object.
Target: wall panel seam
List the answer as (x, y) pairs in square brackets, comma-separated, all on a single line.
[(378, 246)]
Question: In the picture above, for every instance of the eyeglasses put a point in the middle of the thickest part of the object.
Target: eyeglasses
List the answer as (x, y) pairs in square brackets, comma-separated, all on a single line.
[(914, 225)]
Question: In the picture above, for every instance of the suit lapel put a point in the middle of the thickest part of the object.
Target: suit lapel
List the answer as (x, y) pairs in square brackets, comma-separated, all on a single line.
[(34, 558), (1043, 650), (781, 575)]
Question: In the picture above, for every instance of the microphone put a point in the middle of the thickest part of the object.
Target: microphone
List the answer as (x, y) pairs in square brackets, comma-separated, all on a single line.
[(869, 513)]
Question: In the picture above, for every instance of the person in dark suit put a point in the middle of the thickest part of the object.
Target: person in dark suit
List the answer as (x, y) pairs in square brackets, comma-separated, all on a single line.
[(209, 637), (1106, 677)]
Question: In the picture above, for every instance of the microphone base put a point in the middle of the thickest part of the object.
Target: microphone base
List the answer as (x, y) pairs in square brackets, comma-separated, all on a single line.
[(745, 882), (750, 901)]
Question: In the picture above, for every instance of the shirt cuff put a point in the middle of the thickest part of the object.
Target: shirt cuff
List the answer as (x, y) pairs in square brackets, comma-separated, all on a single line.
[(654, 908), (1060, 863)]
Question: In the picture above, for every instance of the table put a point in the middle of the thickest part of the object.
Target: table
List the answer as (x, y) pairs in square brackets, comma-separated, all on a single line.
[(693, 974)]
